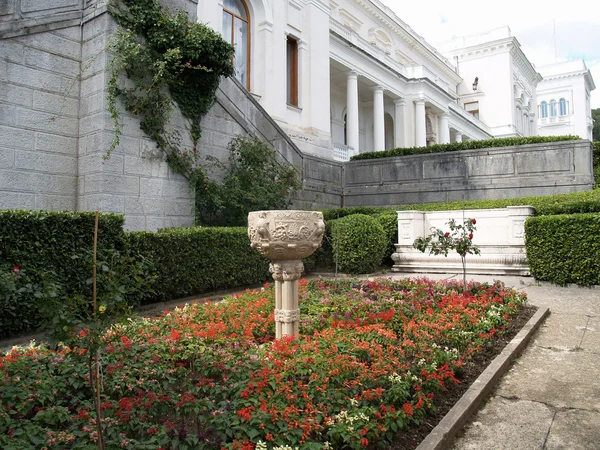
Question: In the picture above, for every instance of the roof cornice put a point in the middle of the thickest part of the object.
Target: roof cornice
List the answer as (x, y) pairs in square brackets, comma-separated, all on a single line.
[(394, 24)]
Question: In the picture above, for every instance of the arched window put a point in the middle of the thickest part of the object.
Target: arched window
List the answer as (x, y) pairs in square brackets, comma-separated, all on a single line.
[(552, 108), (544, 110), (236, 31), (562, 107)]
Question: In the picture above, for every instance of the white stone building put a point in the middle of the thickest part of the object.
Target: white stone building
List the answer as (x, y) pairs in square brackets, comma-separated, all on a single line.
[(499, 81), (345, 76), (564, 99)]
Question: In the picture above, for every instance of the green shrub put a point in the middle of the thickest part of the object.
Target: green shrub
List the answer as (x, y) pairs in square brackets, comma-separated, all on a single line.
[(359, 243), (467, 145), (564, 248), (190, 261), (389, 222), (254, 180)]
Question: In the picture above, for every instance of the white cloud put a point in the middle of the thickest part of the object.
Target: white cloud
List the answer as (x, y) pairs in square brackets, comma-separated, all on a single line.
[(548, 31)]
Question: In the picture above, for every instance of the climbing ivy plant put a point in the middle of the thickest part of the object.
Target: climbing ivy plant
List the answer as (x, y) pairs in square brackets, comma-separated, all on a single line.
[(159, 60)]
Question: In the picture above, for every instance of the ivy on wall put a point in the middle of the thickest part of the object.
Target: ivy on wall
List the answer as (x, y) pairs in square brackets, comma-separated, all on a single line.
[(159, 60)]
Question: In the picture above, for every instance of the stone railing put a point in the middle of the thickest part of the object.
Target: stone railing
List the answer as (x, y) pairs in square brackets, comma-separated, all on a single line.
[(342, 152), (500, 235)]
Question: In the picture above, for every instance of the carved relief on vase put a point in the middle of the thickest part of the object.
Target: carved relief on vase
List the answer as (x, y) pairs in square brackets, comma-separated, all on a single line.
[(282, 235)]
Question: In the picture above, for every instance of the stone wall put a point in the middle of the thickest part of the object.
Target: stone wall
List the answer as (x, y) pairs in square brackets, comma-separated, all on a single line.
[(538, 169), (39, 101)]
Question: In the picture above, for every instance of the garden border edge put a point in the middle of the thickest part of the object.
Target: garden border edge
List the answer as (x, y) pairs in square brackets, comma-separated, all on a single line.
[(447, 429)]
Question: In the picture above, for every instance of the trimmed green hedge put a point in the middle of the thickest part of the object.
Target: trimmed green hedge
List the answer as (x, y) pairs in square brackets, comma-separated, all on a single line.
[(564, 249), (359, 243), (43, 241), (190, 261), (466, 145), (577, 202)]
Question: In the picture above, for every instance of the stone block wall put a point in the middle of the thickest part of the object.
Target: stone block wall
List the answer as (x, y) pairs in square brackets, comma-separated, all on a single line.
[(526, 170), (39, 102)]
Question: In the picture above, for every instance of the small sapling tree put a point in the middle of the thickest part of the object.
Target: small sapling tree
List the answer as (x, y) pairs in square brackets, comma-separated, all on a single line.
[(459, 239)]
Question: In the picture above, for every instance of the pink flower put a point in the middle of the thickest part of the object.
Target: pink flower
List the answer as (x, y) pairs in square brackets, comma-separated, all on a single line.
[(447, 233), (16, 269)]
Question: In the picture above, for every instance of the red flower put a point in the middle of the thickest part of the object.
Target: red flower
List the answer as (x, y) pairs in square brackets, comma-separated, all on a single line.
[(471, 236), (447, 233), (364, 442), (473, 221), (16, 269), (152, 431)]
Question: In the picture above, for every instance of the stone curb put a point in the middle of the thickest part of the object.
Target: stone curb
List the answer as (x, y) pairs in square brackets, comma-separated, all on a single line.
[(445, 432)]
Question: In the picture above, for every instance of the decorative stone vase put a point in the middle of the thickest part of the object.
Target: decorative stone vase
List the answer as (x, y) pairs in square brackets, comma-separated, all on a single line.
[(285, 237)]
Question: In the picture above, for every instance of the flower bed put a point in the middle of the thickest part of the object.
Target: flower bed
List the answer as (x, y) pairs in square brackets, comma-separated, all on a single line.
[(371, 358)]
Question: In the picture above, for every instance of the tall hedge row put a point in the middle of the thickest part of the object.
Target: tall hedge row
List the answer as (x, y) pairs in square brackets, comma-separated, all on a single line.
[(189, 261), (564, 249), (60, 242), (596, 157), (466, 145)]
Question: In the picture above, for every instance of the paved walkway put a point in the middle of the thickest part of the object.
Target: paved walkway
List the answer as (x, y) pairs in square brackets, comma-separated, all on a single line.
[(550, 398)]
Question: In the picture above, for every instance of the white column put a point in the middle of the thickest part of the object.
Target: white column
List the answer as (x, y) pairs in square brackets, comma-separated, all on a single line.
[(457, 136), (420, 129), (399, 107), (352, 111), (444, 128), (378, 120)]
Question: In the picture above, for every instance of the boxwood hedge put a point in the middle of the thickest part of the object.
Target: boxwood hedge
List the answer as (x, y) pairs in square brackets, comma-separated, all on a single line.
[(190, 261), (564, 249), (467, 145)]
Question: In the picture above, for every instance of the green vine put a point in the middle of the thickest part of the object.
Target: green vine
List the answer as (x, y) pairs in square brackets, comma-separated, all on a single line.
[(166, 60)]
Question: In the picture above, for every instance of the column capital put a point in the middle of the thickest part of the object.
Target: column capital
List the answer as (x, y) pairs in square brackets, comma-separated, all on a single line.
[(378, 89), (445, 114), (286, 270), (400, 101), (352, 74), (419, 101)]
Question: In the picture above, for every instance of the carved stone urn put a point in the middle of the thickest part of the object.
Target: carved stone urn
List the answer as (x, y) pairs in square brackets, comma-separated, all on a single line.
[(285, 237)]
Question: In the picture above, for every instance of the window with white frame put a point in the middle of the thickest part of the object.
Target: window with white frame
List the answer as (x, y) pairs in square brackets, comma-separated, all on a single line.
[(236, 26), (562, 107), (553, 108), (544, 110)]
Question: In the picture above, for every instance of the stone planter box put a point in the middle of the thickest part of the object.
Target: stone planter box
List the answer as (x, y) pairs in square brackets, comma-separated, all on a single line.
[(500, 236)]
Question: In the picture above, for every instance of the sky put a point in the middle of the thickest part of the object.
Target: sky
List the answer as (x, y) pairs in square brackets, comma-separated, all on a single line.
[(577, 25)]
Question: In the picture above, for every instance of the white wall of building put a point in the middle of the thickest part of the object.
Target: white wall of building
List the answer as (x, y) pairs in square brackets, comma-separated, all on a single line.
[(571, 81)]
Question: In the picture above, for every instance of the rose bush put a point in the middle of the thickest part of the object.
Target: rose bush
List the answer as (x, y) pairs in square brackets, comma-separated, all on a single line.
[(371, 359)]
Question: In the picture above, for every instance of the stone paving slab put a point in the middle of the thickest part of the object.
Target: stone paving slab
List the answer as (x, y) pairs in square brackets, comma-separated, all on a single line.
[(563, 379), (524, 428), (591, 339), (562, 332), (574, 430)]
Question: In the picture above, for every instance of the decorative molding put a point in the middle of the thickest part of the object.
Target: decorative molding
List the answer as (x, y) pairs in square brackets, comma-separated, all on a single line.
[(349, 20), (397, 27)]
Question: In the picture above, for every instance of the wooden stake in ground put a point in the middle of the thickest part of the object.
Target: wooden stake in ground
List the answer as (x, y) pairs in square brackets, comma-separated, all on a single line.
[(96, 357)]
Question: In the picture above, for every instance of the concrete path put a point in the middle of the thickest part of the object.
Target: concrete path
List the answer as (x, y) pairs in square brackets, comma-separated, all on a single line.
[(550, 398)]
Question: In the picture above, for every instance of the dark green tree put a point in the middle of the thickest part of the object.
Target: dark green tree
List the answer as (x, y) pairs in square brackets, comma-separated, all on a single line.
[(596, 129)]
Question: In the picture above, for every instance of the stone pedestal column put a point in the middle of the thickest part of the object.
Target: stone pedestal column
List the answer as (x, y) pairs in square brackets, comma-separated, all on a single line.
[(286, 237), (287, 313)]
